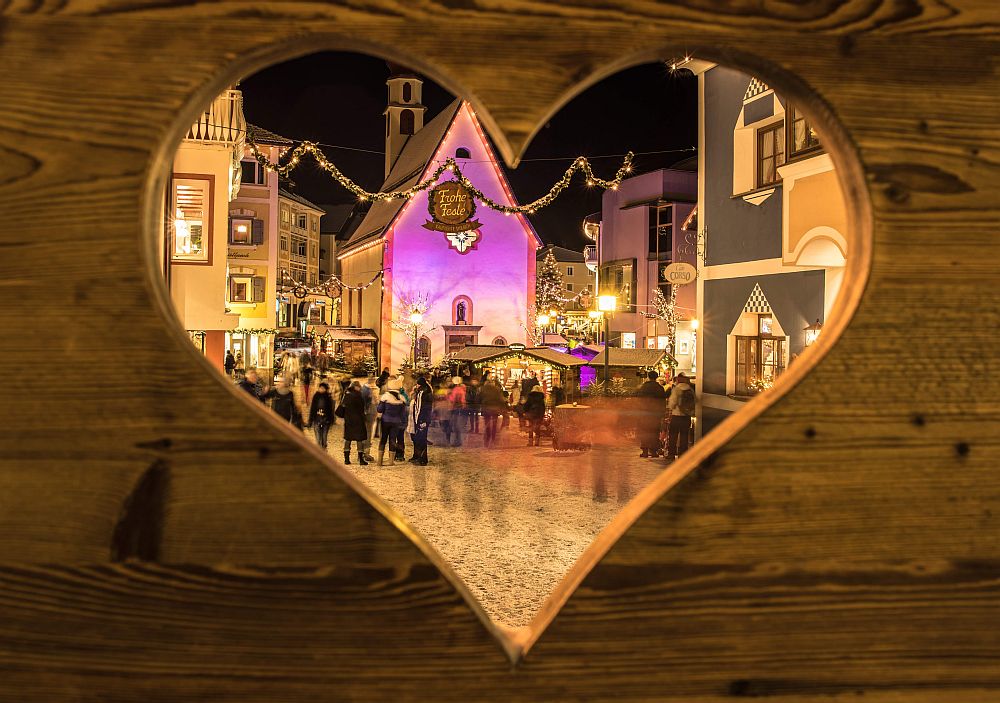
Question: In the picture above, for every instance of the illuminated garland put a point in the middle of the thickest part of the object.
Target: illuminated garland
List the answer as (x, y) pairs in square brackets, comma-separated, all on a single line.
[(251, 330), (298, 287), (580, 164)]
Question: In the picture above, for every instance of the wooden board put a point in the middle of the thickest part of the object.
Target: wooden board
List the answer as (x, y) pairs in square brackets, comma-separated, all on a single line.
[(162, 540)]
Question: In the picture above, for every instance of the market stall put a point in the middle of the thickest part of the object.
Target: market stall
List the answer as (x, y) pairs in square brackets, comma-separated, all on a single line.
[(512, 363), (628, 367)]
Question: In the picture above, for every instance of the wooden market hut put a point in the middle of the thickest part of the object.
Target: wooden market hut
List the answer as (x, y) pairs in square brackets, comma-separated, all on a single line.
[(510, 364), (632, 364)]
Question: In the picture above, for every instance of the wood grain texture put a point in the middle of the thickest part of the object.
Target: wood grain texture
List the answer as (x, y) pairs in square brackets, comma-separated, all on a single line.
[(163, 540)]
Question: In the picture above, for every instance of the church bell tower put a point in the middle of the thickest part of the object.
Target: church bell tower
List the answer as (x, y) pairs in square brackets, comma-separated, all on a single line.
[(404, 114)]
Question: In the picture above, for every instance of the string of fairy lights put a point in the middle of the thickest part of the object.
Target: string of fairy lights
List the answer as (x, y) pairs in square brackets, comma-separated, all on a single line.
[(580, 164), (324, 287)]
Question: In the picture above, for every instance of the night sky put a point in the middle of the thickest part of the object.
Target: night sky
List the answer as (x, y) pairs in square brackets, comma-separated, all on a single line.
[(338, 99)]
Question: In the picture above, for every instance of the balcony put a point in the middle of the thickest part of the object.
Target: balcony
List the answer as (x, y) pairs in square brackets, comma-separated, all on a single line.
[(222, 122), (590, 257)]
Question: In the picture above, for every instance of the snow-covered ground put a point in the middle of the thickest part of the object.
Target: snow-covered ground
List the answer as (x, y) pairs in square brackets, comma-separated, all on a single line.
[(511, 520)]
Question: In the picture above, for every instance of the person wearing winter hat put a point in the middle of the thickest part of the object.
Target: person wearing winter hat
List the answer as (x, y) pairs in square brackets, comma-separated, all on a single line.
[(392, 408), (456, 398)]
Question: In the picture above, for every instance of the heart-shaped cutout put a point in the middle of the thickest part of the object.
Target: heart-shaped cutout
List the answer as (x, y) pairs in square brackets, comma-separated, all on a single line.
[(726, 273)]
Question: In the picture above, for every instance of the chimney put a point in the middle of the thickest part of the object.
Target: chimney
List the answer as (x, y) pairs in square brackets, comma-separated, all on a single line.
[(404, 114)]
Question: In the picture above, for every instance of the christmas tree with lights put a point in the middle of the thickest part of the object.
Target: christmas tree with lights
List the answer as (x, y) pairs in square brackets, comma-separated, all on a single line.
[(549, 285)]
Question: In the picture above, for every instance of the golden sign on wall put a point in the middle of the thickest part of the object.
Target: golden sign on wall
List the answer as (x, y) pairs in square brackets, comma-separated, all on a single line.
[(452, 208)]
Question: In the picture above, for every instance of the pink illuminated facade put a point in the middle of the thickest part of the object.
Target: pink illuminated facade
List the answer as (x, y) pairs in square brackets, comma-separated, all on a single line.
[(479, 296)]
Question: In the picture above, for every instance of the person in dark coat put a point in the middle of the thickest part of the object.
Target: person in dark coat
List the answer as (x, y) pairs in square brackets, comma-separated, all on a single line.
[(230, 363), (651, 410), (321, 414), (558, 396), (251, 385), (382, 379), (284, 405), (534, 411), (355, 423), (306, 373), (419, 419), (493, 404), (392, 408)]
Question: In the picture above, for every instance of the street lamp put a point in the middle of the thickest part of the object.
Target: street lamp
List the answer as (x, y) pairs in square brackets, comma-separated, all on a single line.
[(542, 321), (606, 304), (812, 332)]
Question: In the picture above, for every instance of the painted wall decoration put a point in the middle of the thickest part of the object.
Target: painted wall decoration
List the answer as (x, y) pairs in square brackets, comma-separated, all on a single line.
[(452, 206)]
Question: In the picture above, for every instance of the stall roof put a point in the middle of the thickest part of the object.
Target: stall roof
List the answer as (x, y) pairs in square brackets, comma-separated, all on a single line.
[(480, 353), (346, 334), (637, 358)]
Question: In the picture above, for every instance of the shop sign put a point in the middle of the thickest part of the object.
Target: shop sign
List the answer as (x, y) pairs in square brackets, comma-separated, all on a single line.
[(517, 346), (452, 209), (678, 274)]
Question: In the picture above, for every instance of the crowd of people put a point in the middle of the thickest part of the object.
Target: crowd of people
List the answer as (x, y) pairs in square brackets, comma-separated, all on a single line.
[(391, 409)]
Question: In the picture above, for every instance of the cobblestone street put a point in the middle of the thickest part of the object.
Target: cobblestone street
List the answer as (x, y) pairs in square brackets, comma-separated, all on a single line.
[(511, 520)]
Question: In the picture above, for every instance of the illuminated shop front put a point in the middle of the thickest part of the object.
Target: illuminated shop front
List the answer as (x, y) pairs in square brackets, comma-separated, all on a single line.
[(512, 363)]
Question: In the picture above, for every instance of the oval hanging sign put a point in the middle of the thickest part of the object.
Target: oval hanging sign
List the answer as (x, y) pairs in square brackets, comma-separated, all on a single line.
[(452, 208), (678, 274)]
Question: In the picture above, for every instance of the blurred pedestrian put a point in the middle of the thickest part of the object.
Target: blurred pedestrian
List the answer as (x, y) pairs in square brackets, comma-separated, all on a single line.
[(682, 406), (393, 411), (419, 420), (456, 397), (352, 410), (306, 374), (230, 363), (284, 405), (321, 414), (651, 398), (534, 413), (251, 385), (493, 404)]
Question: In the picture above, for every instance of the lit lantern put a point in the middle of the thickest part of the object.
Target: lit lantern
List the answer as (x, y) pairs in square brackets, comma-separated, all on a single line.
[(694, 324), (416, 318), (607, 303), (542, 320), (812, 332)]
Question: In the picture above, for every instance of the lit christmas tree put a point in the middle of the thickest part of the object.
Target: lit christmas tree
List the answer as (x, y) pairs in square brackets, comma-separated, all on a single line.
[(666, 310), (549, 285)]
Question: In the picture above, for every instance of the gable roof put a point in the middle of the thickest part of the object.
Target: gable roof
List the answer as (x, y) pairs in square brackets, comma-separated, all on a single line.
[(477, 354), (410, 165), (300, 200), (266, 136), (562, 254)]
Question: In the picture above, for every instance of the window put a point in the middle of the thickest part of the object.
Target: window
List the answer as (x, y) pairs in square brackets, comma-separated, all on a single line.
[(252, 173), (424, 348), (406, 122), (191, 225), (618, 278), (759, 360), (801, 135), (770, 154), (299, 246), (407, 92), (246, 230), (661, 232), (284, 216), (300, 220), (463, 153), (313, 224), (500, 342), (246, 288), (569, 270), (569, 287), (628, 340), (284, 244)]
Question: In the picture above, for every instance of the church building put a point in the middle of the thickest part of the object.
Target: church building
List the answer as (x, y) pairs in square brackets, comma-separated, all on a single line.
[(478, 285)]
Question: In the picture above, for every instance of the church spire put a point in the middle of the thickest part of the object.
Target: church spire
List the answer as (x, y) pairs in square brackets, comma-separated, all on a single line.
[(404, 114)]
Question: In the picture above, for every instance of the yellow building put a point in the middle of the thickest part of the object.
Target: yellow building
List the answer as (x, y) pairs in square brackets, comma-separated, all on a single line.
[(252, 255), (299, 305)]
